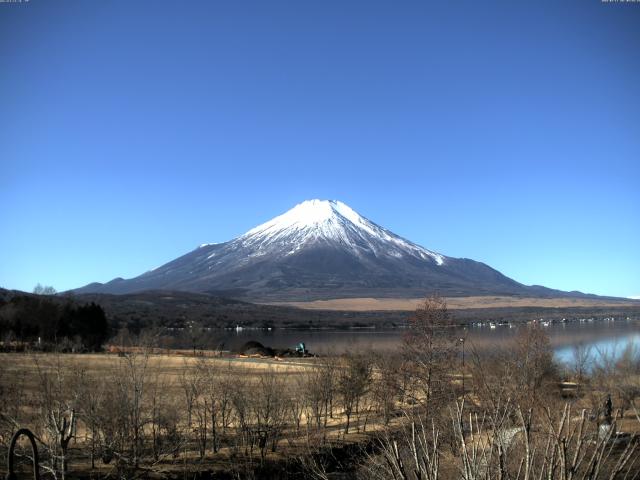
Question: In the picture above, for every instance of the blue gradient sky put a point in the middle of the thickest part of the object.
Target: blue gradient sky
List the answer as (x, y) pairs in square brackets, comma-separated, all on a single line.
[(132, 131)]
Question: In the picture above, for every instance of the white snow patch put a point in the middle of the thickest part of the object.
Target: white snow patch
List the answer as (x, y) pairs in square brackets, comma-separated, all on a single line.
[(332, 221)]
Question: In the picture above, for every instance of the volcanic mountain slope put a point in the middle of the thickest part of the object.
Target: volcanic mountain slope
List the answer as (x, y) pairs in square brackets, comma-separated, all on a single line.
[(321, 249)]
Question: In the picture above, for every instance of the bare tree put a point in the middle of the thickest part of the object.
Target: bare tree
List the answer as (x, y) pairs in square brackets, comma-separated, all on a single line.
[(220, 382), (386, 385), (581, 359), (90, 393), (627, 378), (124, 413), (241, 397), (509, 443), (58, 405), (269, 408), (201, 408), (319, 387), (163, 418), (535, 372), (429, 347), (189, 380), (297, 399), (354, 377), (412, 453)]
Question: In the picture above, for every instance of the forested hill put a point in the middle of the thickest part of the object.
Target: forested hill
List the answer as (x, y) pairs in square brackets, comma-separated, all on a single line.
[(48, 320)]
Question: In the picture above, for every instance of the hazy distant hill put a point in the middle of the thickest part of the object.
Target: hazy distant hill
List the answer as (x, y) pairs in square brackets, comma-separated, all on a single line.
[(317, 250)]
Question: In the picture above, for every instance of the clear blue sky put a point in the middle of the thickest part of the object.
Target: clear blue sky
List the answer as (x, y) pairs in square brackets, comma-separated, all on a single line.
[(507, 132)]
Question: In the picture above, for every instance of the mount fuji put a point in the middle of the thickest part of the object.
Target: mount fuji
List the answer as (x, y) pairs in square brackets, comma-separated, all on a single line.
[(321, 249)]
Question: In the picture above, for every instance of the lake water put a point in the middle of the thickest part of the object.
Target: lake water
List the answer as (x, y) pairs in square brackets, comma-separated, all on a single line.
[(609, 337)]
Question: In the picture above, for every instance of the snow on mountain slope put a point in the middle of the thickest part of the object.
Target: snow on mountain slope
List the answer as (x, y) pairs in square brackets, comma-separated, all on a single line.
[(329, 221)]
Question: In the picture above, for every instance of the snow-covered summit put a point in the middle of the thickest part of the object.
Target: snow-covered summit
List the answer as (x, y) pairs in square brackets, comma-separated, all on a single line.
[(330, 222), (307, 214)]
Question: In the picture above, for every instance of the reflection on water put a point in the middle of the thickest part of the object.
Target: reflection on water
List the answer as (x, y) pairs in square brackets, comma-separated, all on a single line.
[(606, 348), (602, 337)]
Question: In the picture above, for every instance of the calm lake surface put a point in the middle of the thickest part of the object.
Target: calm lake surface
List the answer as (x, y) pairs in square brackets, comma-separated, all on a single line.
[(608, 337)]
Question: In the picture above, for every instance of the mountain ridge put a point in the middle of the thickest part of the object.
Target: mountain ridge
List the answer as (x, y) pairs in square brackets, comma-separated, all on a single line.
[(321, 249)]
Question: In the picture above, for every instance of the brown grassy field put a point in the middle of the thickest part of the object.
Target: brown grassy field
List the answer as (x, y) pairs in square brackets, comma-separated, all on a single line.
[(28, 368), (22, 384), (454, 303)]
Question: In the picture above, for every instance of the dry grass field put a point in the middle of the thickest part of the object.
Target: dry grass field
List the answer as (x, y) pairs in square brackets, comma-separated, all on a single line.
[(168, 368), (177, 399), (454, 303)]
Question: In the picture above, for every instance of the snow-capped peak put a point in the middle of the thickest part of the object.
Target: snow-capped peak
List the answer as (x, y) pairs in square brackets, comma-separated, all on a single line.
[(308, 214), (305, 214), (330, 221)]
